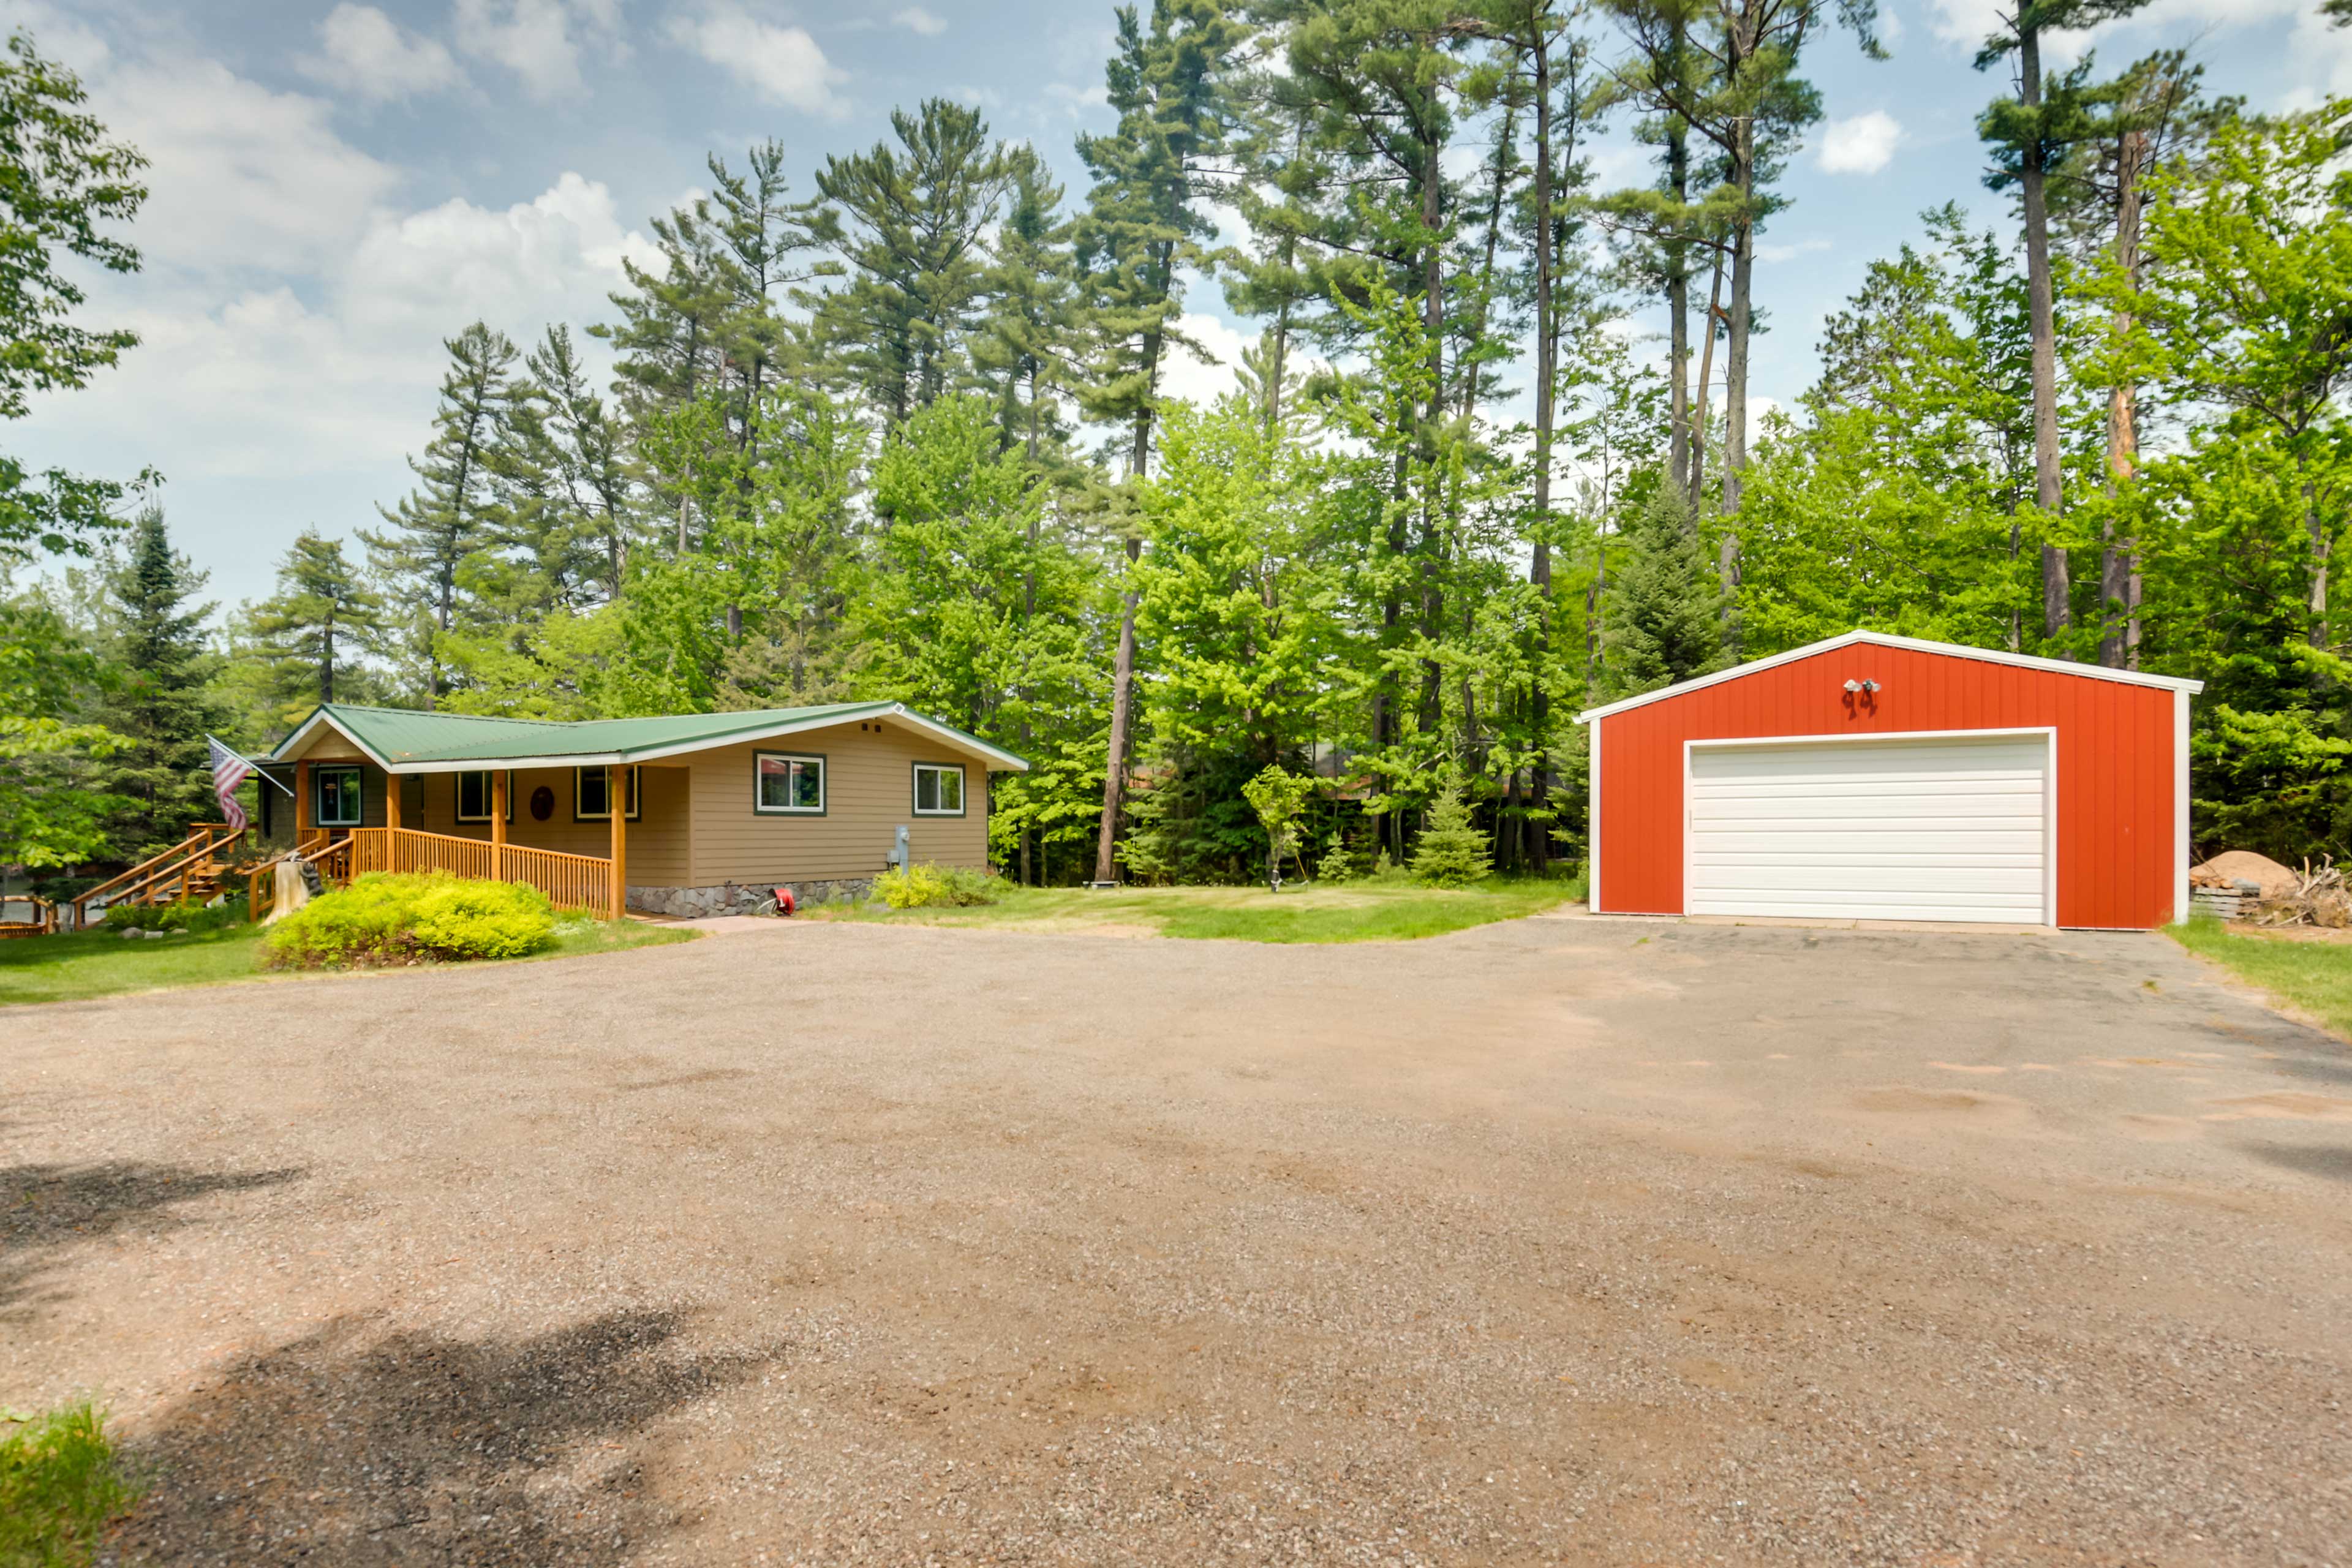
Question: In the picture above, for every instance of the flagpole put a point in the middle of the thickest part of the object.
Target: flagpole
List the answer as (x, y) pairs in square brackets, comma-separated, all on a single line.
[(258, 771)]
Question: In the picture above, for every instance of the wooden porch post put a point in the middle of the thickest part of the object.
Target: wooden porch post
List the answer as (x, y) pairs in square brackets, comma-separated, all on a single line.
[(392, 801), (499, 825), (616, 797), (301, 800)]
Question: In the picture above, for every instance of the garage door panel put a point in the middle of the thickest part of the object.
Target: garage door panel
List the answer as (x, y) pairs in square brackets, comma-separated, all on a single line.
[(1907, 788), (1837, 841), (1911, 808), (1908, 830), (2021, 879)]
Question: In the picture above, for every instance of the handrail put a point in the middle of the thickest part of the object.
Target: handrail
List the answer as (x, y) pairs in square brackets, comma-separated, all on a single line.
[(199, 841), (569, 881), (263, 874), (45, 917)]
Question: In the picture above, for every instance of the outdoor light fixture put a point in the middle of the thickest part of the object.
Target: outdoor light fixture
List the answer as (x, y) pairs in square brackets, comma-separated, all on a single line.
[(1871, 685)]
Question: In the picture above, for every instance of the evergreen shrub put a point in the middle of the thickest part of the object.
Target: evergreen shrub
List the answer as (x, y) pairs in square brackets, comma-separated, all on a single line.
[(388, 918), (927, 885)]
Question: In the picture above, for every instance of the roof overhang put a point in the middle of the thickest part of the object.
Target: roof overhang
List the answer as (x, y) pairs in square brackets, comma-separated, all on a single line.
[(1912, 645), (320, 718), (999, 760)]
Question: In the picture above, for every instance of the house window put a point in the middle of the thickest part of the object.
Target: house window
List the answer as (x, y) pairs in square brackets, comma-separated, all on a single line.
[(338, 796), (474, 796), (939, 789), (589, 796), (788, 784)]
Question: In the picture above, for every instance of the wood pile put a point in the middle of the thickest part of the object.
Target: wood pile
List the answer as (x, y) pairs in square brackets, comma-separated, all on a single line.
[(2308, 897)]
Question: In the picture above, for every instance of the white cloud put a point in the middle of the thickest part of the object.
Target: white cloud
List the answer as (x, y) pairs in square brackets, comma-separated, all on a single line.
[(1861, 144), (539, 40), (1969, 22), (362, 50), (261, 383), (915, 19), (1199, 381), (242, 177), (1790, 252), (783, 65)]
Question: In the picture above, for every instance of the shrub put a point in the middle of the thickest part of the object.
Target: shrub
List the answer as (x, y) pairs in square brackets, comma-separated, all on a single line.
[(925, 885), (59, 1486), (146, 917), (389, 917), (1451, 851), (1338, 863)]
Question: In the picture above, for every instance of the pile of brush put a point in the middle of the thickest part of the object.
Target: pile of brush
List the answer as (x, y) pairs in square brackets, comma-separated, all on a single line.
[(2318, 898), (2240, 884)]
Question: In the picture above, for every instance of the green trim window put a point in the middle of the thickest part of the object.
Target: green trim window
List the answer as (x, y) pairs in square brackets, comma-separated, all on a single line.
[(589, 796), (337, 797), (475, 794), (939, 789), (788, 783)]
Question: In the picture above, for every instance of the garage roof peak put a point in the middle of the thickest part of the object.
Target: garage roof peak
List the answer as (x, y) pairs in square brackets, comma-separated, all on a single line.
[(1914, 645)]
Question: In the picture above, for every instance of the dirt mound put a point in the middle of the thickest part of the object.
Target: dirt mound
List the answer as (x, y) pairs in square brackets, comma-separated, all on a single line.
[(2245, 866)]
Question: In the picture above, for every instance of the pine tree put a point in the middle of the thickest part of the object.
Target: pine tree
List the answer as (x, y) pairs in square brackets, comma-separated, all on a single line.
[(160, 704), (1029, 343), (915, 214), (1138, 231), (451, 515), (321, 613), (2028, 136), (1662, 616), (1451, 851)]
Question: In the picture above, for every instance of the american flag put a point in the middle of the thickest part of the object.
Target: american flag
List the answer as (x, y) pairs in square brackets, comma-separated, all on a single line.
[(229, 769)]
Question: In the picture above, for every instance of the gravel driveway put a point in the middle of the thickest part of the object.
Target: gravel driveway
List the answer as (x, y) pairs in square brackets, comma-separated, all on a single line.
[(1569, 1240)]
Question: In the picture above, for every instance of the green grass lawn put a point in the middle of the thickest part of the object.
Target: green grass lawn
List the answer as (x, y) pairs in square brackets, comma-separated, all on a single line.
[(2314, 977), (60, 1484), (1350, 911), (83, 964)]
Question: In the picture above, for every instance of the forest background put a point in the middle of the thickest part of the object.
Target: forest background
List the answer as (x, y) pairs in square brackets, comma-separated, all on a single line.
[(908, 435)]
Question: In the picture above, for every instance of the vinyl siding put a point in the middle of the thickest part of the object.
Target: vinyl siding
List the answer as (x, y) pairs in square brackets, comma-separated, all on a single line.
[(660, 842), (869, 795)]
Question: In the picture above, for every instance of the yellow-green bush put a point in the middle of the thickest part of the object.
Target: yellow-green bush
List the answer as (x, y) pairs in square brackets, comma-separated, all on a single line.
[(389, 917), (925, 885)]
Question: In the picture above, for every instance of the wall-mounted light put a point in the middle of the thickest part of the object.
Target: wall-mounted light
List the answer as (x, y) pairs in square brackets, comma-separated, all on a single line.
[(1871, 685)]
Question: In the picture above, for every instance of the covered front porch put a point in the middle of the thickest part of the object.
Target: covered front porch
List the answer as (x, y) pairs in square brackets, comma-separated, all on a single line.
[(350, 817)]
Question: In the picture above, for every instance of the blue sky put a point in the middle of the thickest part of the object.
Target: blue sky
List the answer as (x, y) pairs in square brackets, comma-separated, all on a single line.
[(338, 187)]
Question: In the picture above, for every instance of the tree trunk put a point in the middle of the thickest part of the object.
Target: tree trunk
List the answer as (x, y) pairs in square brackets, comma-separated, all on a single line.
[(1705, 386), (1122, 696), (2048, 491), (327, 656), (1679, 399), (1122, 672), (1743, 294), (1538, 846), (2119, 562)]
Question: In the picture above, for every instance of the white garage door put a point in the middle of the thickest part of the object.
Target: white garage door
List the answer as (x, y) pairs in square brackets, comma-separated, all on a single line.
[(1898, 830)]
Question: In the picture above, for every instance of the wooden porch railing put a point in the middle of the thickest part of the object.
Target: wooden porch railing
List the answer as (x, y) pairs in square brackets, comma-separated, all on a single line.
[(569, 881), (42, 921), (144, 881)]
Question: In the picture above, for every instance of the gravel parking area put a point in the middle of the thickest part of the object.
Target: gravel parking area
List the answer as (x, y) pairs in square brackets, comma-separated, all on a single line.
[(1567, 1240)]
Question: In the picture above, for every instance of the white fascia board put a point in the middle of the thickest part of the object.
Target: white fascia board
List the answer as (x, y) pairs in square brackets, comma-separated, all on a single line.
[(277, 753), (1004, 761), (1914, 645)]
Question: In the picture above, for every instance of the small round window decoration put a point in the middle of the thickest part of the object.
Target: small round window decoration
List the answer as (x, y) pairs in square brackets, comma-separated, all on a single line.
[(543, 803)]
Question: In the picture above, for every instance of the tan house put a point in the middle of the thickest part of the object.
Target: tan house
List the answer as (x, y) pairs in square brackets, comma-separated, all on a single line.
[(717, 809)]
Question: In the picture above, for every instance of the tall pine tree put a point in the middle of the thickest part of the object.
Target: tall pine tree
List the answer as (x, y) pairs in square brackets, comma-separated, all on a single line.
[(160, 703)]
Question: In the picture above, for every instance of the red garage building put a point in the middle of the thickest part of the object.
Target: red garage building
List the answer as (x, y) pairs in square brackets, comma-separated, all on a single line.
[(1878, 777)]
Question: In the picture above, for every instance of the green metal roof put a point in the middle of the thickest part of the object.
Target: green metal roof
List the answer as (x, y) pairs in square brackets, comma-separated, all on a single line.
[(407, 736)]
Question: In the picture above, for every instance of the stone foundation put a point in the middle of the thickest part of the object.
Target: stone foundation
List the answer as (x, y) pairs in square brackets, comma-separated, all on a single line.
[(741, 898)]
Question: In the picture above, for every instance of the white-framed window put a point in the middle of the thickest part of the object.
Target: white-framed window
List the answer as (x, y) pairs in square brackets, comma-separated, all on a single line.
[(475, 794), (939, 789), (589, 802), (788, 783), (338, 796)]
